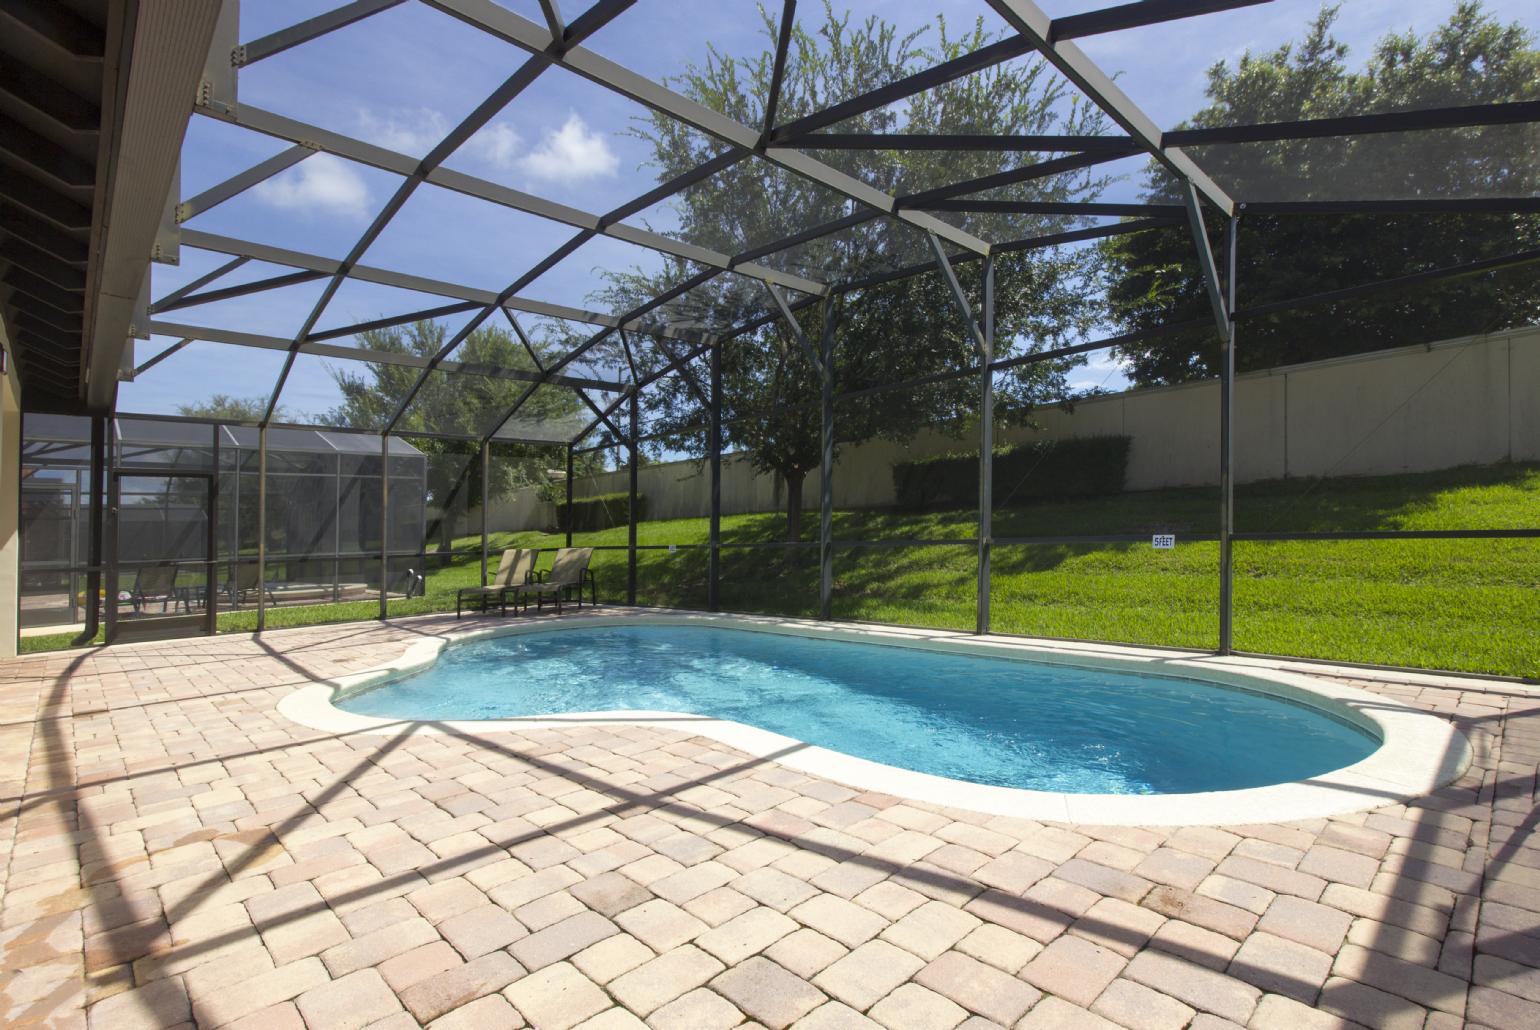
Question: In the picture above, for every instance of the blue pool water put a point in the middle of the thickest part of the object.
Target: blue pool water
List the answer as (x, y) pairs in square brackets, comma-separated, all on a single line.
[(987, 720)]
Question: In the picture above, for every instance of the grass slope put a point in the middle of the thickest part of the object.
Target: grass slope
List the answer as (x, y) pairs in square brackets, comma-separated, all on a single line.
[(1468, 605)]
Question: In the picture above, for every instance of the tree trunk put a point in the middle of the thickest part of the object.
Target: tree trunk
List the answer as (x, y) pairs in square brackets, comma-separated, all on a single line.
[(794, 482)]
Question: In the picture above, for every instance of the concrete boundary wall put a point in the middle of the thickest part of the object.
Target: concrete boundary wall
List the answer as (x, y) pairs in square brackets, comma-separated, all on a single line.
[(1473, 400)]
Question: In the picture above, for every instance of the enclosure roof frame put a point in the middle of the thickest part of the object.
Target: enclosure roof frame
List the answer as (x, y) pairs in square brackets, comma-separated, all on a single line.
[(790, 146)]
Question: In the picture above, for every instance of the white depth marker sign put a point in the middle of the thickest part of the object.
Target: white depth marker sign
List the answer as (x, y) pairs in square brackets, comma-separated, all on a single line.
[(1163, 541)]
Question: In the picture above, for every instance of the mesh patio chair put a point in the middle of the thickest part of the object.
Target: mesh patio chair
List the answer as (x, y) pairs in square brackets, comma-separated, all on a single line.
[(248, 583), (568, 574), (153, 583), (514, 569)]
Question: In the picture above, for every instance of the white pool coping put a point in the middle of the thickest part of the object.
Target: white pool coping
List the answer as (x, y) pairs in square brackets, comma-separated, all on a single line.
[(1419, 753)]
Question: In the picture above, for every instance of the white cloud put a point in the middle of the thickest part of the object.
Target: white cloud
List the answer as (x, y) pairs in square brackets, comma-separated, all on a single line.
[(322, 183), (418, 131), (572, 152), (411, 132), (497, 144)]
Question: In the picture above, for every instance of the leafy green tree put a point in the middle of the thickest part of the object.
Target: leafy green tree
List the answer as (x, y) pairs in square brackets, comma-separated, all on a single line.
[(225, 408), (888, 332), (451, 403), (1471, 59)]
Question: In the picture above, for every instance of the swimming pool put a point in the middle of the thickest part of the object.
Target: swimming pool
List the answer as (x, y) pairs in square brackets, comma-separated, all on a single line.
[(988, 720)]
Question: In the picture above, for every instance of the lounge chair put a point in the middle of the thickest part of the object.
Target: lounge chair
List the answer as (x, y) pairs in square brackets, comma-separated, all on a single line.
[(513, 571), (153, 583), (568, 574), (247, 583)]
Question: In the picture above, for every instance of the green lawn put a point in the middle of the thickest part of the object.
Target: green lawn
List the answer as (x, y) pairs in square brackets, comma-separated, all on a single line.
[(1467, 605)]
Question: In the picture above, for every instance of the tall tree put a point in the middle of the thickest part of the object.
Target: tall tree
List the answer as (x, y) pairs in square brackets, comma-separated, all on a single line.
[(1471, 59), (888, 332), (457, 404), (225, 408)]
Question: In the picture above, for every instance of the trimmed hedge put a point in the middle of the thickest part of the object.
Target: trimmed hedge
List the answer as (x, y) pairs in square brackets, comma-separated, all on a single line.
[(1046, 470), (601, 511)]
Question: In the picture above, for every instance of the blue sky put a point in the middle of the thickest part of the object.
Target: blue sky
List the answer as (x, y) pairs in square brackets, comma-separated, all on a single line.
[(403, 78)]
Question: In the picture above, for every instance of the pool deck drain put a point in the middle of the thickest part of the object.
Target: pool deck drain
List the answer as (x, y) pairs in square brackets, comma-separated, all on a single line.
[(177, 851)]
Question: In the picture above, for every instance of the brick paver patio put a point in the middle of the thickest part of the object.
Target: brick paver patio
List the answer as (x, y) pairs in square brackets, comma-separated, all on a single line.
[(178, 853)]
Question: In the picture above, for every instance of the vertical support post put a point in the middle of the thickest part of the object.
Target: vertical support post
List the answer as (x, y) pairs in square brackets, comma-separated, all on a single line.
[(635, 455), (1221, 295), (384, 524), (986, 448), (486, 494), (211, 567), (713, 581), (826, 467), (261, 529), (98, 532), (337, 531), (235, 507), (75, 588), (1227, 449), (110, 531), (569, 495)]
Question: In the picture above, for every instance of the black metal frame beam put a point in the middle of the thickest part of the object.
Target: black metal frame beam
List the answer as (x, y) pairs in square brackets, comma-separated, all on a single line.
[(1221, 296), (162, 356), (1514, 260), (242, 181), (778, 68), (630, 317), (647, 381), (948, 71), (260, 342), (982, 332), (714, 464), (553, 19), (826, 461), (550, 261), (1123, 16), (1047, 144), (522, 78), (1137, 15), (511, 87), (385, 323), (928, 199), (200, 282), (1100, 88), (1418, 206), (276, 282), (1093, 232), (1037, 207), (634, 456), (304, 31), (1517, 112), (621, 80)]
